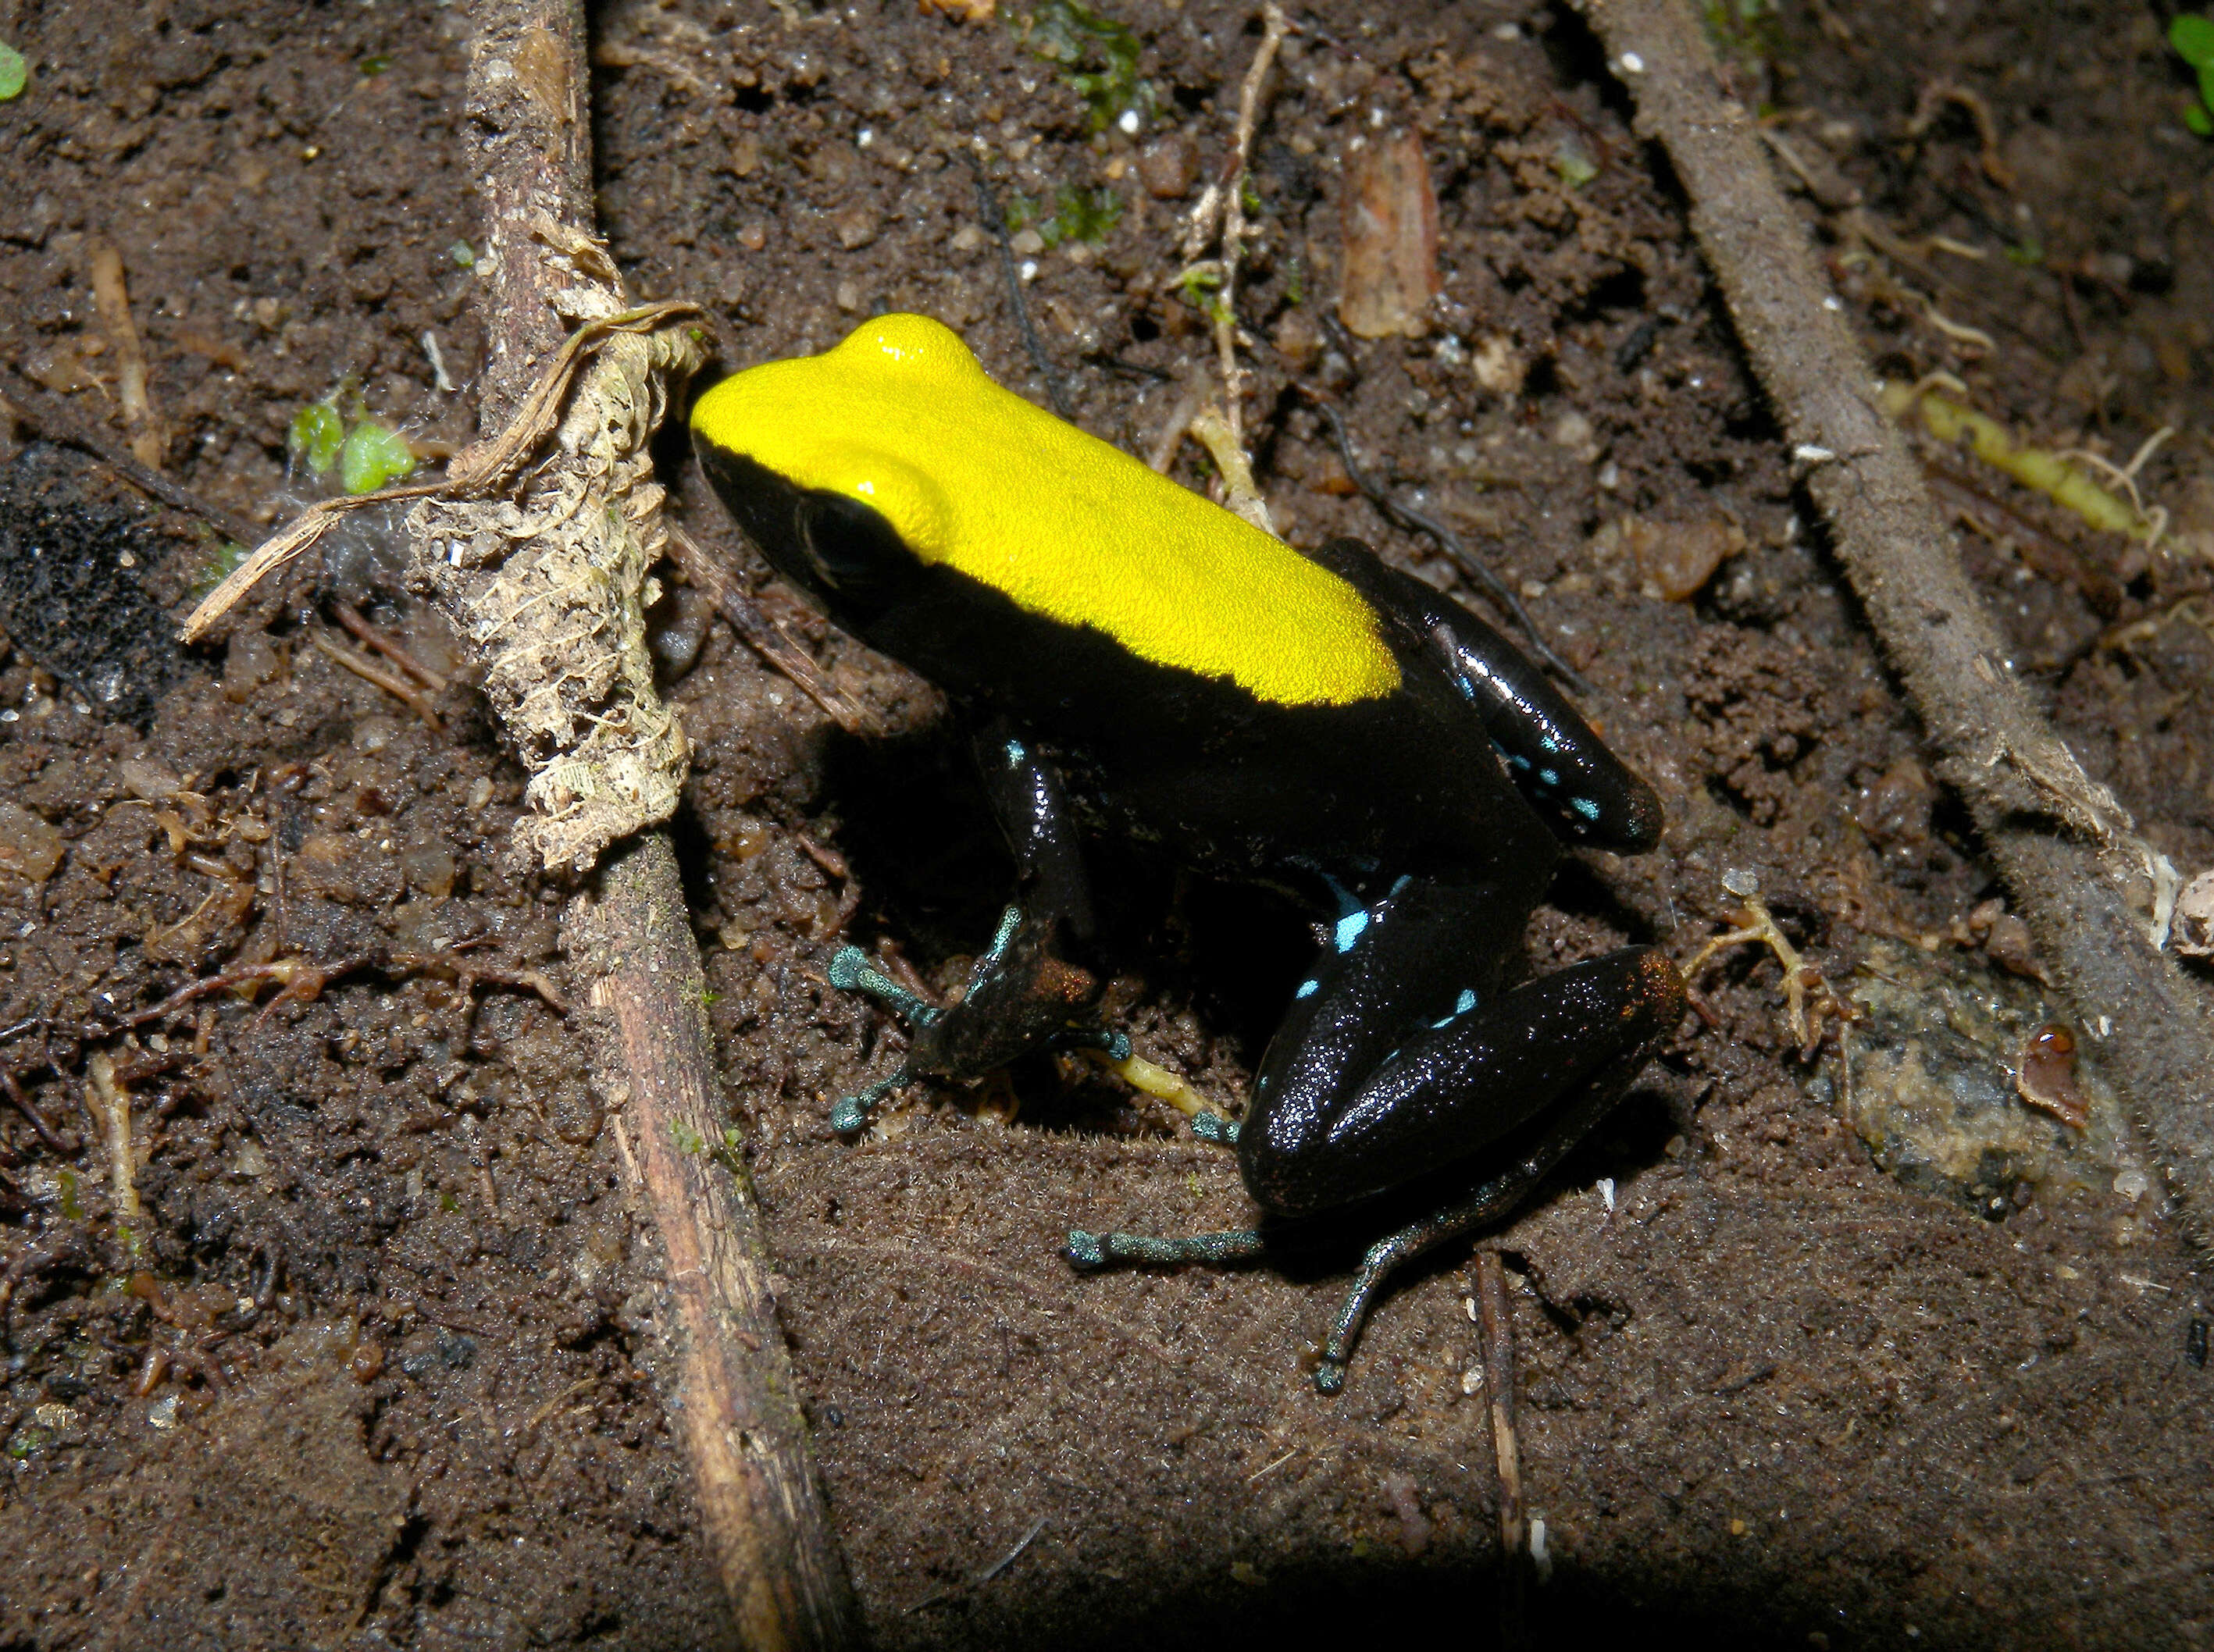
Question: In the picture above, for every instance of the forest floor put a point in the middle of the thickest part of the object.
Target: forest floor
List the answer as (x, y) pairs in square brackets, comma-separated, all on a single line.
[(329, 1322)]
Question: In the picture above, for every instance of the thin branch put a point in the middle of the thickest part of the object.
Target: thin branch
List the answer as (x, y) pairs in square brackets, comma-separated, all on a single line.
[(391, 682), (1495, 1322), (2096, 896), (1273, 27), (996, 222), (708, 573)]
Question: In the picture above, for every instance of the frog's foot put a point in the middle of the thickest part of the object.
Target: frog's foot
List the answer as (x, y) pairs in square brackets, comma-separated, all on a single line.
[(1485, 1205), (851, 971), (1215, 1128), (1020, 996)]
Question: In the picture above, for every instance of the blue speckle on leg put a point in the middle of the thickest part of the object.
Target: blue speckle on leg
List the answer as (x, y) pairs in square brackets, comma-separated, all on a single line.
[(1307, 988), (1015, 753), (1585, 807), (1548, 777)]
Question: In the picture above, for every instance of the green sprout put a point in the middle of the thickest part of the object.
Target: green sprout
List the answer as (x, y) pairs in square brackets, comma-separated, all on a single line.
[(1201, 288), (15, 73), (373, 457), (1081, 215), (376, 65), (1575, 167), (366, 454), (1099, 58), (2191, 34), (224, 559), (463, 254), (316, 436), (730, 1153)]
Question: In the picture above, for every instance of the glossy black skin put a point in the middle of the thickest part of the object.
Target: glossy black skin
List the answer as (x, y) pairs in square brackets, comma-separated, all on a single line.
[(1422, 825)]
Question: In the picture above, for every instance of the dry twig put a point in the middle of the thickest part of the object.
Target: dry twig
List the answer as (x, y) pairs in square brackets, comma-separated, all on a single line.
[(1495, 1318), (707, 573), (2096, 896), (1220, 220)]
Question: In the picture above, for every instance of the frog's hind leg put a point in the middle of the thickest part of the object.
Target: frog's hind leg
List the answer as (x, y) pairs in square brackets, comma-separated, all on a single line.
[(1486, 1204), (1355, 1100)]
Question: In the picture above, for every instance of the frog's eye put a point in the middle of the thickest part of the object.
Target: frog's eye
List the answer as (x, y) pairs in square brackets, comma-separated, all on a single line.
[(851, 549)]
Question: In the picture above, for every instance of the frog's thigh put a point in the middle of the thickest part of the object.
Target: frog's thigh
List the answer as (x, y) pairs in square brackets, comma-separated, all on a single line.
[(1453, 1087)]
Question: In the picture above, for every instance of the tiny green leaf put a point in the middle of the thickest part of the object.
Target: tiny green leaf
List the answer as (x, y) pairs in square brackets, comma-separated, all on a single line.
[(2192, 37), (15, 73), (316, 436), (463, 254), (376, 65), (372, 458), (2198, 120)]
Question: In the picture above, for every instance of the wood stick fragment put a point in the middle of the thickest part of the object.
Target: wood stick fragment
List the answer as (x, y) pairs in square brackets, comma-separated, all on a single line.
[(112, 1104), (2096, 896), (388, 646), (149, 440), (1495, 1320), (369, 671)]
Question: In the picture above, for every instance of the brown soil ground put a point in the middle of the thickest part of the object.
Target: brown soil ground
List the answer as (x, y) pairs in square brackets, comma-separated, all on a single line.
[(374, 1365)]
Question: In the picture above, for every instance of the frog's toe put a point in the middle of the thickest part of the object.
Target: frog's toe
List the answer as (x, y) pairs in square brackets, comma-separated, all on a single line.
[(852, 1113), (1213, 1127)]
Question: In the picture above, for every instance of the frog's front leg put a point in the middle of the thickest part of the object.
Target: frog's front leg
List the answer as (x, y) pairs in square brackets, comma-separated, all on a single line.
[(1022, 995), (1400, 1060)]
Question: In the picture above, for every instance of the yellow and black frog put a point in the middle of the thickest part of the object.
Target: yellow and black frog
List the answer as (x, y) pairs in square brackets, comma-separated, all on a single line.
[(1315, 719)]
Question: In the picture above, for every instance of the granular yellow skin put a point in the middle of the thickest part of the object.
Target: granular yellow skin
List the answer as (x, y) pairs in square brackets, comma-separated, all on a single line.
[(902, 417)]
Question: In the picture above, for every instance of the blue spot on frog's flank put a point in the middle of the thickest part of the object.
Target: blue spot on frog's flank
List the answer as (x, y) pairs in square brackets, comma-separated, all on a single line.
[(1585, 807), (1307, 988), (1548, 777), (1467, 1001), (1349, 929), (1015, 753)]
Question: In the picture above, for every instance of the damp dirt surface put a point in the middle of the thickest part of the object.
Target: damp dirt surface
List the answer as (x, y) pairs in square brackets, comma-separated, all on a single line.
[(327, 1306)]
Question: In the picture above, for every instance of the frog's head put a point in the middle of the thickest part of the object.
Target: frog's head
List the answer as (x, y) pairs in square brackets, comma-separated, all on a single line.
[(821, 458)]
